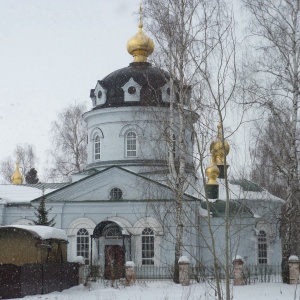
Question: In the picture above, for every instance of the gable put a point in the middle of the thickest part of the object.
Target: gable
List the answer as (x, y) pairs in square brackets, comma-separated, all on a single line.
[(98, 187)]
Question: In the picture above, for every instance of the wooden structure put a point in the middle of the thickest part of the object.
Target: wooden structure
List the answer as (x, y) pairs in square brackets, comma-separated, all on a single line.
[(21, 244)]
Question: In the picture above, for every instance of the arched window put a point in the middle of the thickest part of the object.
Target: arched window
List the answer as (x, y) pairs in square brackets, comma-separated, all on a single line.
[(83, 243), (147, 247), (97, 147), (115, 194), (131, 144), (262, 247), (113, 232)]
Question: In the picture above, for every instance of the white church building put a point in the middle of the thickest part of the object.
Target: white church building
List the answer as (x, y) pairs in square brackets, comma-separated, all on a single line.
[(122, 206)]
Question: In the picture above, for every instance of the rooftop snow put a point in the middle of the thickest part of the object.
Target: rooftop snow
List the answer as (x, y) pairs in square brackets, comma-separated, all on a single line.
[(43, 232), (20, 193)]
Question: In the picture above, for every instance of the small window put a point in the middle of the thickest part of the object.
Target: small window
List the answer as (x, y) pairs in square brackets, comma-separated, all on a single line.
[(83, 243), (131, 144), (116, 194), (131, 90), (262, 247), (113, 232), (97, 147), (147, 247)]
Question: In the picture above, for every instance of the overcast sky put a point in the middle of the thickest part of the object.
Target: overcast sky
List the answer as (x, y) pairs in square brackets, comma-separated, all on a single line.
[(52, 52)]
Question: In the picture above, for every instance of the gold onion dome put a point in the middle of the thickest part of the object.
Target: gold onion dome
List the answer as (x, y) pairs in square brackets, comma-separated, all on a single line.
[(212, 173), (17, 177), (217, 150), (140, 46)]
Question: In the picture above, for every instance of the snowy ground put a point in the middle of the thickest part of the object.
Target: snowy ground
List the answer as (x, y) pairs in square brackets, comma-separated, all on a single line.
[(169, 291)]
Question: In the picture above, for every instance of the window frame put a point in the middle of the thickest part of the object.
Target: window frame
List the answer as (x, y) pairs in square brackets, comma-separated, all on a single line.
[(262, 248), (116, 194), (129, 141), (97, 147), (83, 244), (148, 246)]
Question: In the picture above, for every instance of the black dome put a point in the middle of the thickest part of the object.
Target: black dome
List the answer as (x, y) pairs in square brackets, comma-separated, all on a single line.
[(150, 78)]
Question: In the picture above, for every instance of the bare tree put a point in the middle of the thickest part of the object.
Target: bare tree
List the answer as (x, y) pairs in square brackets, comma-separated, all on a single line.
[(265, 152), (7, 167), (171, 22), (69, 136), (275, 87), (25, 155), (197, 47), (216, 64)]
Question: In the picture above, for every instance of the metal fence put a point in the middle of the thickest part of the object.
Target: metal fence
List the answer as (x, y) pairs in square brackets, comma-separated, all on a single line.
[(262, 273), (145, 273), (252, 273)]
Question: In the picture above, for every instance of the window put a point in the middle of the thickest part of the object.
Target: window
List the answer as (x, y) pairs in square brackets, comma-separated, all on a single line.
[(113, 232), (83, 242), (262, 247), (97, 147), (131, 144), (115, 194), (147, 247), (132, 91)]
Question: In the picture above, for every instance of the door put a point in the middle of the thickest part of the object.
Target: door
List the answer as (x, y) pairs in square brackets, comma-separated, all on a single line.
[(114, 262)]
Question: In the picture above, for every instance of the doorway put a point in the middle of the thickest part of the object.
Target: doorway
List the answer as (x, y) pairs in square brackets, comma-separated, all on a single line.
[(114, 262)]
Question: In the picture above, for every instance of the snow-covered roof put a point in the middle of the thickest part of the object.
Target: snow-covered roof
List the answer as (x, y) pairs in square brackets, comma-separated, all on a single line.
[(245, 189), (42, 232), (20, 193), (238, 190)]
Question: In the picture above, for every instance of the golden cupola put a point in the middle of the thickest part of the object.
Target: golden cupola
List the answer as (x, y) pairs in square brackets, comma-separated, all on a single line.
[(17, 177), (140, 46), (212, 173), (217, 149)]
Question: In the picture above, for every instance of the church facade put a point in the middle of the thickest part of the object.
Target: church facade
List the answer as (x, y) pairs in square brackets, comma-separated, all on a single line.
[(122, 206)]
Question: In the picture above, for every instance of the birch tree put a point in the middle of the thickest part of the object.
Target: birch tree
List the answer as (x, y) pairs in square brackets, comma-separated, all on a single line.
[(170, 22), (69, 136), (196, 42), (25, 155), (266, 154), (275, 87), (216, 65)]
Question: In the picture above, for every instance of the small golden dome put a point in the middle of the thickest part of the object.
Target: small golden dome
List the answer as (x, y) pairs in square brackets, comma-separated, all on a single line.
[(140, 46), (216, 149), (212, 173), (17, 177)]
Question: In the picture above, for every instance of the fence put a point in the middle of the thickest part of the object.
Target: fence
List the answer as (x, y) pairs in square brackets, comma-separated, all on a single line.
[(33, 279), (262, 273), (145, 273), (252, 273), (197, 273)]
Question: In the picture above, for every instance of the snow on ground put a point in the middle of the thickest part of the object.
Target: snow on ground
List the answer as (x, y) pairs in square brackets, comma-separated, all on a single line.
[(166, 290)]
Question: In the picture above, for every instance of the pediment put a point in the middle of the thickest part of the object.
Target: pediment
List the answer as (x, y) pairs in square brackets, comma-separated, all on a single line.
[(98, 187)]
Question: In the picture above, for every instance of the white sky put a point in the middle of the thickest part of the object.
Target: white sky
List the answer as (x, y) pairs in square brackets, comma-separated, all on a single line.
[(52, 52)]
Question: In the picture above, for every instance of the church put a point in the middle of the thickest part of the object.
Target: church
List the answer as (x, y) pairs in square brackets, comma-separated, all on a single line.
[(121, 208)]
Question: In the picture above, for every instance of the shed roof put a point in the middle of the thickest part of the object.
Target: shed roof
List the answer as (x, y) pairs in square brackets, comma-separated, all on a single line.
[(42, 232)]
